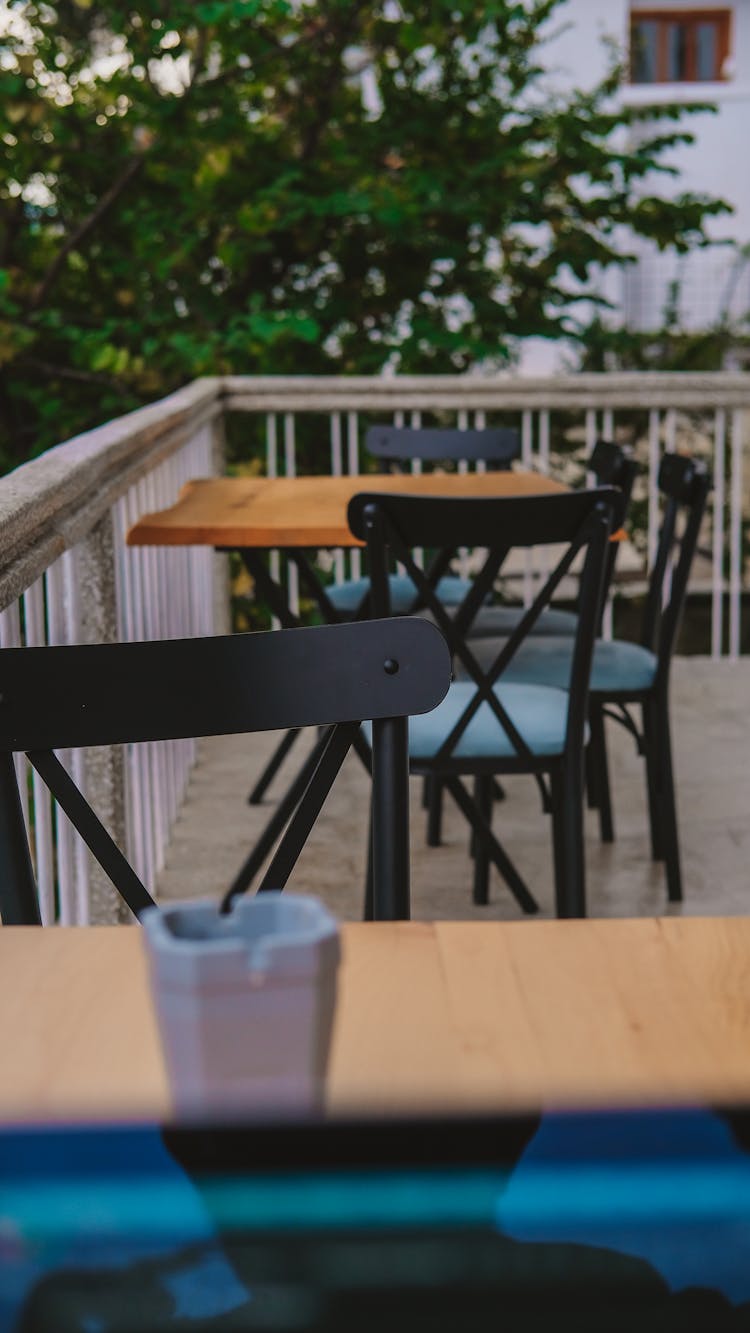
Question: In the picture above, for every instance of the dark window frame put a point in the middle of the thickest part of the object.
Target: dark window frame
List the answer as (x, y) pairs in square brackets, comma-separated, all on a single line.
[(688, 19)]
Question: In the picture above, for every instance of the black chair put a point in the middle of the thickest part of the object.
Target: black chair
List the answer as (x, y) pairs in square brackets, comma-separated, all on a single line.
[(624, 674), (333, 677), (484, 726), (394, 446), (612, 465)]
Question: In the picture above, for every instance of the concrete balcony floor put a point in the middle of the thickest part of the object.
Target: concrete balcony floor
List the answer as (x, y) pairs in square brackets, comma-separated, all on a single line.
[(711, 732)]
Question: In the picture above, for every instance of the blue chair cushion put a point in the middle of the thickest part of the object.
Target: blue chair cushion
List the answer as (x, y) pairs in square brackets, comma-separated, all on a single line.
[(539, 714), (500, 621), (348, 596), (617, 666)]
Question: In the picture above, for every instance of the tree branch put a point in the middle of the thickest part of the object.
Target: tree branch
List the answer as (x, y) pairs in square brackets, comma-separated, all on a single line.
[(15, 218), (68, 373), (43, 288), (342, 36)]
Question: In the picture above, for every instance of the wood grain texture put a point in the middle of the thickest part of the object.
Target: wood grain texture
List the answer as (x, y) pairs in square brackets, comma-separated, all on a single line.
[(430, 1015), (303, 511), (77, 1033)]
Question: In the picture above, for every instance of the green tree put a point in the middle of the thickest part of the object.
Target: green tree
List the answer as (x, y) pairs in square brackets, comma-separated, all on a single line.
[(207, 191)]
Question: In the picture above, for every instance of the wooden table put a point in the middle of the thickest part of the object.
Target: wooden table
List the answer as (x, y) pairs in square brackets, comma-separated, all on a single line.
[(303, 511), (454, 1016)]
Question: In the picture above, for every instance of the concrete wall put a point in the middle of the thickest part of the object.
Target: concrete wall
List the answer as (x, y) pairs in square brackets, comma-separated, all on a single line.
[(576, 40), (714, 283)]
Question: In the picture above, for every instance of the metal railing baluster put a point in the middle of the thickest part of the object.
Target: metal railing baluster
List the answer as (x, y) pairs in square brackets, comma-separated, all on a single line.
[(735, 536)]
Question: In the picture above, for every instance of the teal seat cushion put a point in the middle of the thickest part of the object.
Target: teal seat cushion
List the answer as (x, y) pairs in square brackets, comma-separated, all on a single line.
[(617, 666), (500, 621), (539, 714), (348, 596)]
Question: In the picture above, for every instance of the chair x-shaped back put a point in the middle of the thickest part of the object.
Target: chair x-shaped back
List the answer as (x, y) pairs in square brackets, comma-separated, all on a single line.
[(483, 726), (332, 677)]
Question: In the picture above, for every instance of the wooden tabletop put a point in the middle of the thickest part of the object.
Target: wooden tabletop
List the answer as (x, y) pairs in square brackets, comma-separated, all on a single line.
[(303, 511), (442, 1015)]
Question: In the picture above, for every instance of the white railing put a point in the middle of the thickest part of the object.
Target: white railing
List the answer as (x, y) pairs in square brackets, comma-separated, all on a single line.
[(161, 592), (66, 575), (699, 413)]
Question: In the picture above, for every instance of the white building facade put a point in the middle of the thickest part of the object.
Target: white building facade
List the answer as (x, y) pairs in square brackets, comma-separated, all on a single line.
[(677, 52)]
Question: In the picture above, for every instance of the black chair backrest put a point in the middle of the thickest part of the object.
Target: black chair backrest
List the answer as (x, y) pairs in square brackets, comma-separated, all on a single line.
[(497, 446), (684, 484), (613, 465), (68, 697), (392, 525)]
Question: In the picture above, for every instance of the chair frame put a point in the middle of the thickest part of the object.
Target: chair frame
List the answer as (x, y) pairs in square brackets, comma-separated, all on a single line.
[(393, 525), (497, 446), (332, 677), (685, 484), (612, 465)]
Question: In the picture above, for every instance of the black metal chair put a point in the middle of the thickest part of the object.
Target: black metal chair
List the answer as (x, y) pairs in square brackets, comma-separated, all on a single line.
[(333, 677), (612, 465), (485, 727), (624, 674), (394, 446)]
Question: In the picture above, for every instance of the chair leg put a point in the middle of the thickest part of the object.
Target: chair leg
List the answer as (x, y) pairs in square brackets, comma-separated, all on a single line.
[(19, 904), (592, 792), (668, 809), (434, 790), (497, 854), (567, 841), (653, 778), (368, 913), (596, 758), (483, 801), (661, 794), (390, 819)]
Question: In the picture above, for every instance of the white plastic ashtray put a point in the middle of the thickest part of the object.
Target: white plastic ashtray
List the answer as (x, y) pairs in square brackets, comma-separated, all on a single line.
[(244, 1001)]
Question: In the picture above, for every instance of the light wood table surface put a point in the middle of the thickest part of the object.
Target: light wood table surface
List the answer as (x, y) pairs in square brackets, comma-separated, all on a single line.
[(459, 1016), (304, 511)]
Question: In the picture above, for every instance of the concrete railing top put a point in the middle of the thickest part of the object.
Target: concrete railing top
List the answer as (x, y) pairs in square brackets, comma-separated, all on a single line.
[(631, 390), (54, 501)]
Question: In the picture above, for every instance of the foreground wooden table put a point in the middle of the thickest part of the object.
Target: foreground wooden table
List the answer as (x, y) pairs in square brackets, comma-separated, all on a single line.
[(303, 511), (459, 1016)]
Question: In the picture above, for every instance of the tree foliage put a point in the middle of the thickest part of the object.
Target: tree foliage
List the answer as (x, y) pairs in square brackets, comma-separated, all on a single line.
[(205, 189)]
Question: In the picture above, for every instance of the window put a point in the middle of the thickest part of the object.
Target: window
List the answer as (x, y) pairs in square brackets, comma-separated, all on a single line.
[(678, 46)]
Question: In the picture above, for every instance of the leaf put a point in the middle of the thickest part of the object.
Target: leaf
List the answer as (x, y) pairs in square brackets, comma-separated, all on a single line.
[(273, 223)]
